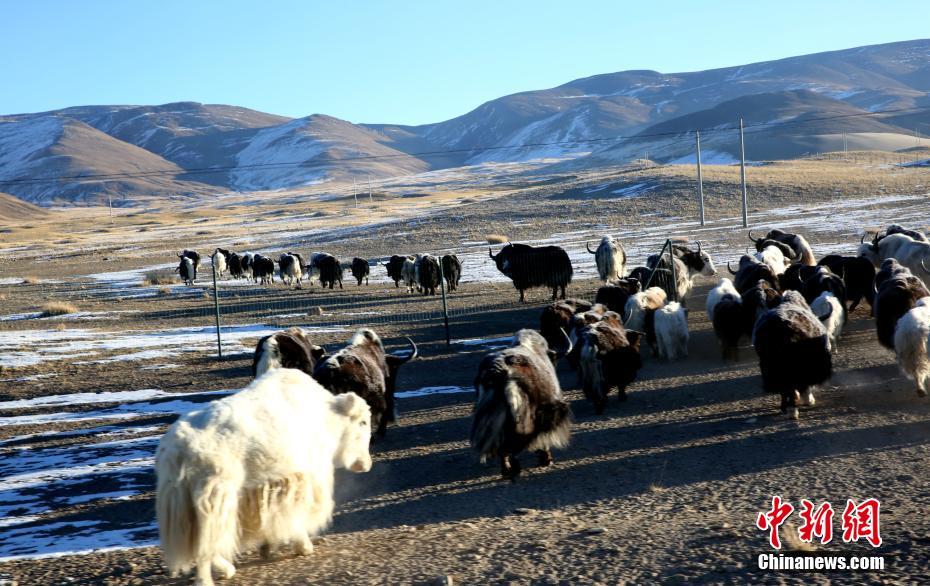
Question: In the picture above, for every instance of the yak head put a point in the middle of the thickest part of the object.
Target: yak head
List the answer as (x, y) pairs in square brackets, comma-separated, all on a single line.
[(698, 261), (503, 259), (870, 251), (353, 453)]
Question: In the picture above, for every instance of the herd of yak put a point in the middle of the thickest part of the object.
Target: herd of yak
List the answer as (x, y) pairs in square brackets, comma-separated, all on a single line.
[(424, 272), (255, 470)]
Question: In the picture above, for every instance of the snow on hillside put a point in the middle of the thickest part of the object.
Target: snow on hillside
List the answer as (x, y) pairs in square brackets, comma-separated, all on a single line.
[(22, 141), (549, 138), (281, 147)]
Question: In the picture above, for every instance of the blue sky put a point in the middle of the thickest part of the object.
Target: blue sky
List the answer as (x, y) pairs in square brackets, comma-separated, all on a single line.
[(399, 62)]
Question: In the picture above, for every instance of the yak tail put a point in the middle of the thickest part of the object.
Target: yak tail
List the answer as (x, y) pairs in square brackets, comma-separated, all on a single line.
[(491, 413), (553, 425), (197, 513), (910, 343), (177, 525)]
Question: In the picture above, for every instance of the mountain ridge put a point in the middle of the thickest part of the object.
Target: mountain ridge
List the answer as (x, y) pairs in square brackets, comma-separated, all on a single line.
[(254, 150)]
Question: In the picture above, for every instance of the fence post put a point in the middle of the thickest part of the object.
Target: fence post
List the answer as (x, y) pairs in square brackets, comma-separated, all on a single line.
[(742, 172), (445, 309), (700, 180), (671, 257), (216, 312), (671, 262)]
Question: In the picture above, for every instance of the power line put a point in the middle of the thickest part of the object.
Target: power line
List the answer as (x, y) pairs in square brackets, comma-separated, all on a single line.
[(682, 134)]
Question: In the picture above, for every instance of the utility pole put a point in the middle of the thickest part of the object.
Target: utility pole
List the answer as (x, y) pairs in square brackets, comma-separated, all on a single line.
[(917, 137), (355, 191), (697, 135), (742, 173), (845, 148), (216, 309), (370, 200), (110, 204)]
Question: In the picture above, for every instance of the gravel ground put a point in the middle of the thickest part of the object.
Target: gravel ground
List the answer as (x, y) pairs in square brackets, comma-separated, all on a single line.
[(663, 488)]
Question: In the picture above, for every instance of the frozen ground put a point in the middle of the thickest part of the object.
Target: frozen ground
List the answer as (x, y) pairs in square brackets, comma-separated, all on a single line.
[(109, 460), (30, 347)]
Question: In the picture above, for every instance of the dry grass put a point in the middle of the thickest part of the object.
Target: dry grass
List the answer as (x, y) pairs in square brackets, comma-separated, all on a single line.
[(160, 278), (54, 308), (655, 487), (497, 239), (30, 280), (164, 291)]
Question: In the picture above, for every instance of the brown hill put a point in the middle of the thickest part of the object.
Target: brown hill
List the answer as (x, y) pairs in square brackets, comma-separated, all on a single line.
[(13, 209), (44, 160)]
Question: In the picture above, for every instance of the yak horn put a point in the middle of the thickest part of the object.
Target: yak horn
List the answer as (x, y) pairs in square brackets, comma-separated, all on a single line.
[(569, 346), (699, 246), (490, 253), (588, 246), (751, 238), (924, 266), (413, 353), (732, 272)]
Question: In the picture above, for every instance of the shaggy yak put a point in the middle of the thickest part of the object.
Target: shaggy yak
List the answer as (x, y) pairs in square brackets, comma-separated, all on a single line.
[(520, 404), (255, 470)]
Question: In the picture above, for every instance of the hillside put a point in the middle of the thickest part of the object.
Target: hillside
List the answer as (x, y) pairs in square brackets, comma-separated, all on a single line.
[(41, 150), (312, 150), (779, 125), (13, 209)]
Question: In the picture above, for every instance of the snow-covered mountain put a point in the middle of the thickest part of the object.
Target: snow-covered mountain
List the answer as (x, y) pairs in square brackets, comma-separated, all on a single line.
[(37, 151), (186, 148), (602, 107), (313, 150)]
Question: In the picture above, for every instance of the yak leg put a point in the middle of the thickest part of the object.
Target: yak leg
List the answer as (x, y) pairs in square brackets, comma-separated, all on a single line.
[(224, 568), (510, 467), (522, 295), (622, 396), (854, 304), (808, 397), (544, 457), (790, 399), (264, 551), (204, 573), (303, 545)]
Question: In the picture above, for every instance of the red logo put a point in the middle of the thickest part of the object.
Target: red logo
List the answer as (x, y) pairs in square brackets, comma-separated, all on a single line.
[(772, 519), (817, 523), (861, 521)]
